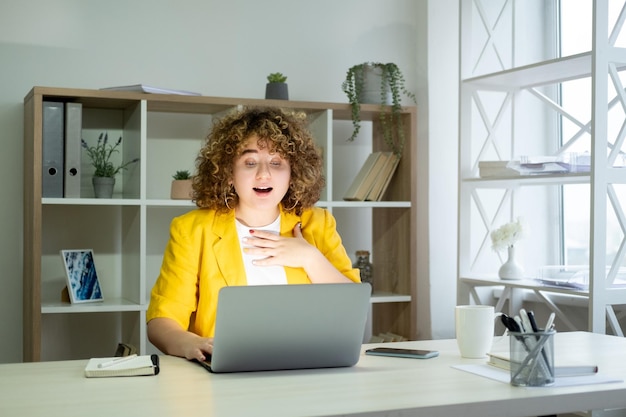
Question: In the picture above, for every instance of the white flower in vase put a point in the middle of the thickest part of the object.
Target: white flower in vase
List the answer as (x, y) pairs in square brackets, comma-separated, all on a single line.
[(505, 237)]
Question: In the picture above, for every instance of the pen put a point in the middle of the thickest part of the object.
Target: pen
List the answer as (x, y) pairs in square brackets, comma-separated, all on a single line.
[(533, 324), (525, 321), (531, 320), (509, 323), (117, 361)]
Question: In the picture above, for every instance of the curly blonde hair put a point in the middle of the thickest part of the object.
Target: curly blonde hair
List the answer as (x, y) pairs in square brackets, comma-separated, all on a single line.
[(284, 133)]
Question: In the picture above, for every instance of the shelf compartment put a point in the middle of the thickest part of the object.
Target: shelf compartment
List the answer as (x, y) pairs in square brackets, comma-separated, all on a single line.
[(173, 141), (112, 232), (99, 333)]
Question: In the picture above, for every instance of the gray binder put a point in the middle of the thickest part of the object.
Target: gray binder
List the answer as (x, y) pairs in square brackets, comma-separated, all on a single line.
[(52, 152), (73, 130)]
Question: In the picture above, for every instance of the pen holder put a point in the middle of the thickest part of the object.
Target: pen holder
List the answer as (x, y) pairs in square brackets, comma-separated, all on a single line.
[(532, 358)]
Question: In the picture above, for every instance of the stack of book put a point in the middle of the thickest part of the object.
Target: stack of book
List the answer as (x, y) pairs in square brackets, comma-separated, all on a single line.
[(535, 166), (373, 178), (488, 169), (502, 360)]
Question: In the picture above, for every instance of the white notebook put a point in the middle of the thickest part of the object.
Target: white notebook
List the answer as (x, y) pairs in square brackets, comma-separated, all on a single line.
[(122, 366)]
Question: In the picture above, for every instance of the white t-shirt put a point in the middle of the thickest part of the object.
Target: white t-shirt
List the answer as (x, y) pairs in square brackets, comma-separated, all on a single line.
[(260, 275)]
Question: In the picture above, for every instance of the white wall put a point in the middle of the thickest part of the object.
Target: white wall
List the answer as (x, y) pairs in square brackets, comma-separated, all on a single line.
[(437, 130), (226, 48)]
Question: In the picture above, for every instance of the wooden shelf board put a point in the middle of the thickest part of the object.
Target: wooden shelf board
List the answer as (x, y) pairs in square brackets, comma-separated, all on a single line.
[(113, 304), (387, 297)]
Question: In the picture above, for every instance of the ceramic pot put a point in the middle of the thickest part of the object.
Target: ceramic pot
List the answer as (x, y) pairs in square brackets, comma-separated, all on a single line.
[(276, 91), (372, 85), (511, 269), (181, 190), (103, 186)]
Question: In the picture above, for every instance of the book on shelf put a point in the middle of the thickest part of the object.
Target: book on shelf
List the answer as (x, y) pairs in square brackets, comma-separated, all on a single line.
[(502, 360), (488, 169), (131, 365), (144, 88), (530, 167), (384, 178), (364, 180)]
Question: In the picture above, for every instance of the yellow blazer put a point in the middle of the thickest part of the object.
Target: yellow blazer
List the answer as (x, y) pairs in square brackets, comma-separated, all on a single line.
[(203, 255)]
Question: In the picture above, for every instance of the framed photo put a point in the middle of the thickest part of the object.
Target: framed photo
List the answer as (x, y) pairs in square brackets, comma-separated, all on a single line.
[(82, 279)]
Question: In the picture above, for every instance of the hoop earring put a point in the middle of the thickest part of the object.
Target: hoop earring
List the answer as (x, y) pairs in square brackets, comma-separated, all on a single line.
[(226, 192)]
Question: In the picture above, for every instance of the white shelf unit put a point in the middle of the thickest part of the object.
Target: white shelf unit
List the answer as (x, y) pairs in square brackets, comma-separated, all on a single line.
[(128, 233), (484, 204)]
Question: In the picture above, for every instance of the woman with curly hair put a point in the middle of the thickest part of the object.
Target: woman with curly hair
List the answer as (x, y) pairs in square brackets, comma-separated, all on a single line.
[(258, 178)]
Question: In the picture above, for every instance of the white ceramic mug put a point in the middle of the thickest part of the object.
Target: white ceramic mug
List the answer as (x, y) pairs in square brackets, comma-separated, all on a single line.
[(474, 330)]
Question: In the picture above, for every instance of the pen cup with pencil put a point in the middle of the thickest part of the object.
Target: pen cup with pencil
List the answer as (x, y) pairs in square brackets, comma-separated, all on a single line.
[(532, 358)]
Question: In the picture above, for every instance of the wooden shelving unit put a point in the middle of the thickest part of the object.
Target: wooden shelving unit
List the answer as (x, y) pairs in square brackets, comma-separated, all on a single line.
[(129, 231)]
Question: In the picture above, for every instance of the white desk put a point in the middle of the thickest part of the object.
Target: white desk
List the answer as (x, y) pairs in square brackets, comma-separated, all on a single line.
[(375, 386)]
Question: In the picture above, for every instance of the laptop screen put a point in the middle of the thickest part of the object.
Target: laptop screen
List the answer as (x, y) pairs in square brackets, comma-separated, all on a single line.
[(275, 327)]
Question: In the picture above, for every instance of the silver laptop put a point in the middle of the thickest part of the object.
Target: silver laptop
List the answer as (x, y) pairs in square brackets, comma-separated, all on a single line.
[(278, 327)]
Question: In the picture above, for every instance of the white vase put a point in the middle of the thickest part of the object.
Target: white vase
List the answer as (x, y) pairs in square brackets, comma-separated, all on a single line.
[(511, 269)]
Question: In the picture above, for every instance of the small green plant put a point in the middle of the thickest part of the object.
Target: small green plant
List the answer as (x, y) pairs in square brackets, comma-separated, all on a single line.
[(276, 77), (100, 156), (182, 175), (391, 120)]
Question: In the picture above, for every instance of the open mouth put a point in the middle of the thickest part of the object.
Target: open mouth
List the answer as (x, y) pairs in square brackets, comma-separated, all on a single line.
[(262, 189)]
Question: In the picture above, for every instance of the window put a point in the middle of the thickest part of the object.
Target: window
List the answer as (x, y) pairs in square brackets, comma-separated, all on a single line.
[(574, 28)]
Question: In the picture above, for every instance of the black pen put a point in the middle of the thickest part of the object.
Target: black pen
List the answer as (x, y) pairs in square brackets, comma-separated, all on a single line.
[(531, 319), (509, 323)]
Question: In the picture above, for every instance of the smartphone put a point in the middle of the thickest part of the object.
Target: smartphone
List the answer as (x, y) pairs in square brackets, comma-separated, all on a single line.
[(403, 353)]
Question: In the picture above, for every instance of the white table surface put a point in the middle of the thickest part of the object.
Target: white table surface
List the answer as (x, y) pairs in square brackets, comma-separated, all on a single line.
[(375, 386)]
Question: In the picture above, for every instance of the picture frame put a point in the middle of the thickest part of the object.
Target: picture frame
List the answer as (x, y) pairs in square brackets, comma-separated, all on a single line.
[(82, 280)]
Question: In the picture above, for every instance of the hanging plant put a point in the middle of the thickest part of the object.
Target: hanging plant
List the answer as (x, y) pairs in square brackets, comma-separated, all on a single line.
[(391, 85)]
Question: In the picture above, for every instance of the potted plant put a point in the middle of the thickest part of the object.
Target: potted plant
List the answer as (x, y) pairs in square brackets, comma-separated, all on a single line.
[(100, 155), (378, 83), (276, 87), (181, 186)]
